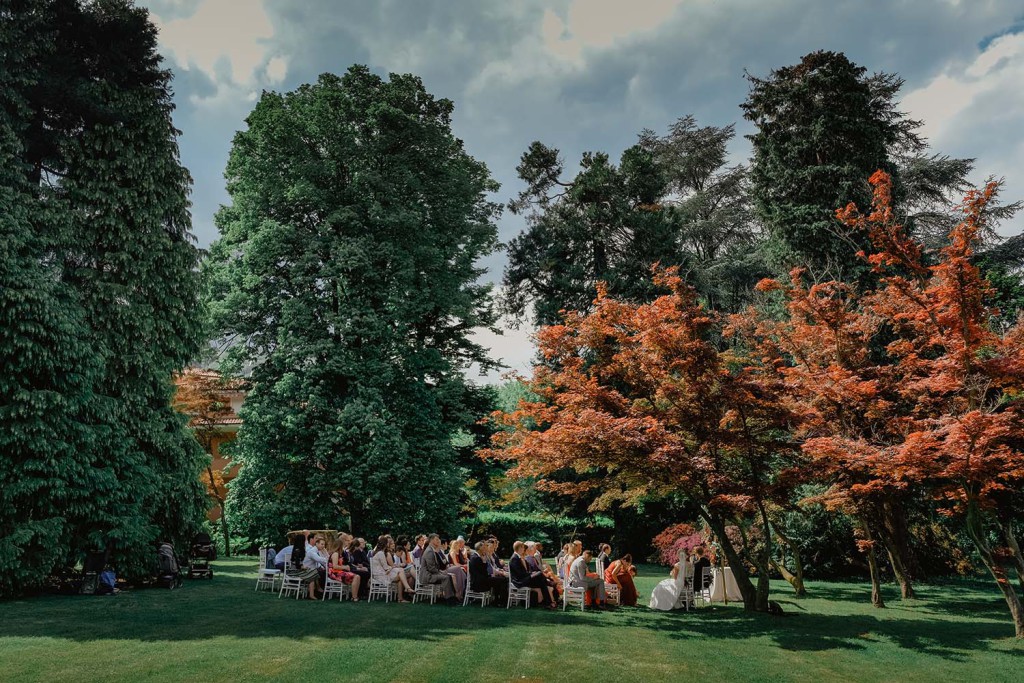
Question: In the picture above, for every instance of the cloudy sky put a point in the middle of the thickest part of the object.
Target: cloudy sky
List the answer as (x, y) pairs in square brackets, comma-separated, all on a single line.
[(589, 74)]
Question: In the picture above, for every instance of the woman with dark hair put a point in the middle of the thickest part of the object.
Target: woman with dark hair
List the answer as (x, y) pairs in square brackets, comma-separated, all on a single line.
[(403, 557), (620, 573), (359, 563)]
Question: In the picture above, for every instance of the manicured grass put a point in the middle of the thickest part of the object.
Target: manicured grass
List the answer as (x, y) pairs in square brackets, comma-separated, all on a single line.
[(221, 630)]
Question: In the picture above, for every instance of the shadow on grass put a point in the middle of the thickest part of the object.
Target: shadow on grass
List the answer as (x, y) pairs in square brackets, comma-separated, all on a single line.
[(950, 622)]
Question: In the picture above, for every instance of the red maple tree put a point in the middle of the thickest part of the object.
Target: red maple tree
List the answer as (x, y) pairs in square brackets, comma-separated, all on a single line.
[(909, 386), (642, 397)]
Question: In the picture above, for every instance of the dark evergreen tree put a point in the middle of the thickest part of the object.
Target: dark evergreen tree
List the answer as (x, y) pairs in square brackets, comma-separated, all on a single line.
[(347, 279), (823, 127), (112, 267)]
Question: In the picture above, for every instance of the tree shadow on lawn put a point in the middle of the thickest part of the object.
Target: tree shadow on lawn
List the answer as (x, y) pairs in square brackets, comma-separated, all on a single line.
[(228, 606)]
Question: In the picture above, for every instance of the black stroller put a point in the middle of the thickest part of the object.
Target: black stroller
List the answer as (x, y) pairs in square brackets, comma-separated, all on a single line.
[(202, 552), (168, 569)]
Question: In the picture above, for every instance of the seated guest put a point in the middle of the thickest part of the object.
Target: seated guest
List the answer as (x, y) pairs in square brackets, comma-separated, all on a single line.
[(359, 563), (604, 555), (497, 567), (457, 568), (421, 543), (533, 564), (480, 581), (284, 556), (522, 576), (299, 568), (619, 573), (382, 567), (578, 578), (568, 559), (432, 568), (560, 559), (316, 557), (403, 557), (339, 569), (552, 578), (700, 563)]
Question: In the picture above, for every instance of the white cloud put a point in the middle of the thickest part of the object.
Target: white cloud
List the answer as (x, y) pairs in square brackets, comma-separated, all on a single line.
[(235, 31), (977, 110), (277, 69)]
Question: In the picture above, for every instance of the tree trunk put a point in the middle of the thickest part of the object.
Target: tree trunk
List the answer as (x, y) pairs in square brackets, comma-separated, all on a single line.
[(223, 511), (739, 569), (891, 531), (224, 529), (876, 580), (976, 532), (1018, 559), (796, 580), (763, 562)]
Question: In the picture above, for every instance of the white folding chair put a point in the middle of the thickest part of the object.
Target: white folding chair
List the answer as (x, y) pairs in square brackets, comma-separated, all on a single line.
[(611, 590), (483, 596), (703, 590), (425, 590), (290, 583), (574, 595), (266, 574), (381, 586), (517, 595), (334, 587), (686, 596)]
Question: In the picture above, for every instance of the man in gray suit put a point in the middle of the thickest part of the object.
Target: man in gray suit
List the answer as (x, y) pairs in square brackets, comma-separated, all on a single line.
[(578, 578), (430, 568)]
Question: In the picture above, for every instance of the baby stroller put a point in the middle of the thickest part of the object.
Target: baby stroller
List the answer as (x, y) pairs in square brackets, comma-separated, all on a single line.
[(203, 551), (168, 570)]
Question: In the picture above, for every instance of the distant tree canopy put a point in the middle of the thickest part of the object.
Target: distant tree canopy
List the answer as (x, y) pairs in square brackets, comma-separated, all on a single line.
[(670, 200), (98, 294), (346, 276)]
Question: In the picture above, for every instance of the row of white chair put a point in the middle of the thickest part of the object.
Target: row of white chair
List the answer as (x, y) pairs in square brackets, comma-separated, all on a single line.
[(284, 583)]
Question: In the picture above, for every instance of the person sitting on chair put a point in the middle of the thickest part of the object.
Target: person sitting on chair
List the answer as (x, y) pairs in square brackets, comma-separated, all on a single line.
[(480, 581), (496, 566), (553, 580), (620, 573), (304, 571), (384, 569), (547, 589), (283, 556), (604, 555), (522, 576), (432, 568), (700, 563), (359, 563), (421, 544), (339, 569), (578, 579)]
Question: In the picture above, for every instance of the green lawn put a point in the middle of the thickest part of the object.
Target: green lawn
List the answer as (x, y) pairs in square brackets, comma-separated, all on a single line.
[(223, 631)]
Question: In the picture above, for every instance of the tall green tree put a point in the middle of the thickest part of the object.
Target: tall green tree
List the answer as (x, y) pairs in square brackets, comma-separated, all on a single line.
[(823, 127), (346, 277), (95, 171)]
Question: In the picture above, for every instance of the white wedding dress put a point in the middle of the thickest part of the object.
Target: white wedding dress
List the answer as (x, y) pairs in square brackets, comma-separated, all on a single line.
[(670, 593)]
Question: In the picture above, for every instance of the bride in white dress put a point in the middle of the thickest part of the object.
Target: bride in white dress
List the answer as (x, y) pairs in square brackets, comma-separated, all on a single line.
[(671, 593)]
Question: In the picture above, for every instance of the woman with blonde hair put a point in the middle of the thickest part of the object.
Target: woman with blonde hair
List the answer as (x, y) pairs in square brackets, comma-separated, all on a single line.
[(457, 567)]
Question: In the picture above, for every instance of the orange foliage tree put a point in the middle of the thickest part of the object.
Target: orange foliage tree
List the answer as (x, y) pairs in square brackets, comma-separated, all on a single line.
[(642, 397), (910, 386), (200, 396)]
